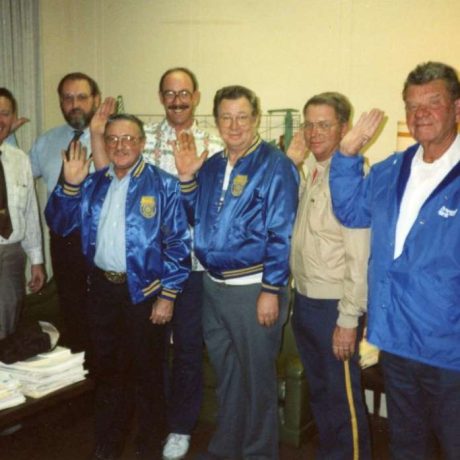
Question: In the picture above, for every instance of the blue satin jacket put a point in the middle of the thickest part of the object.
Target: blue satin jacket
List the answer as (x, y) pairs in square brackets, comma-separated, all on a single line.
[(157, 235), (414, 300), (248, 230)]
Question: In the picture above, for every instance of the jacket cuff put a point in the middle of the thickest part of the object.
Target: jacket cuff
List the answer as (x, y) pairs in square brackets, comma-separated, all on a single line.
[(168, 294), (189, 186), (270, 288), (71, 190)]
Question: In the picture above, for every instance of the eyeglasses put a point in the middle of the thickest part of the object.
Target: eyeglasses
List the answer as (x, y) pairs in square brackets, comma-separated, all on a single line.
[(241, 120), (321, 126), (184, 95), (126, 140), (69, 98)]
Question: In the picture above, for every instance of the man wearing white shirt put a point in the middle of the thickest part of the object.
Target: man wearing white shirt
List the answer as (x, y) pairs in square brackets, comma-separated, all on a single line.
[(20, 233), (410, 201), (179, 95)]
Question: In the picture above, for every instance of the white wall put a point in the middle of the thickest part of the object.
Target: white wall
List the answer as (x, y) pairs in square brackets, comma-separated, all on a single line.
[(285, 51)]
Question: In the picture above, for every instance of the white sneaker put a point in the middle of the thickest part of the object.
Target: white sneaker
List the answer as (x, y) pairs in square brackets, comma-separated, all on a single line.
[(176, 446)]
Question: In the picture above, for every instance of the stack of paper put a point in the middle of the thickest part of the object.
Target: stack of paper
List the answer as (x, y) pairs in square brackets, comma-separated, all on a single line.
[(10, 394), (47, 372)]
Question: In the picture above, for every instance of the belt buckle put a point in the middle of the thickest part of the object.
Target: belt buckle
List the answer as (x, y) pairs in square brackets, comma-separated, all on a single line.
[(115, 277)]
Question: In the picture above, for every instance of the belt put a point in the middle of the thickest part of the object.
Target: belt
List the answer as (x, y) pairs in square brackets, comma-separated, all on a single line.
[(113, 277)]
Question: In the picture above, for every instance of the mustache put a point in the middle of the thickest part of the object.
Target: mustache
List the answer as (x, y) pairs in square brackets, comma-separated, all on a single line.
[(178, 106), (76, 111)]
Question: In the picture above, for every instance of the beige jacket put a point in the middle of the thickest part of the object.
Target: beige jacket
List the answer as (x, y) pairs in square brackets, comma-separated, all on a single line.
[(328, 260)]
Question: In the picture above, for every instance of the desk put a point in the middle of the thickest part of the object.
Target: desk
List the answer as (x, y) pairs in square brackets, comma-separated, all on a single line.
[(15, 414)]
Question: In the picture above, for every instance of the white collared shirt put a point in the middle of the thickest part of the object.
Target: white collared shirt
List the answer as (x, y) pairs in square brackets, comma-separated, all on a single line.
[(22, 203)]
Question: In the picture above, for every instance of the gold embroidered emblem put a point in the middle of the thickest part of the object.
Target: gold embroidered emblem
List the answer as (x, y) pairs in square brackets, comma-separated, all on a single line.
[(238, 185), (148, 206)]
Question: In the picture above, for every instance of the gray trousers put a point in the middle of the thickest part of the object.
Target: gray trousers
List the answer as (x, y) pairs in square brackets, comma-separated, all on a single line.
[(243, 355), (12, 286)]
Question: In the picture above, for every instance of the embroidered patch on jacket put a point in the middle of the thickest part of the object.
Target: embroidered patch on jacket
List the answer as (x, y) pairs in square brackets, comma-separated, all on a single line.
[(238, 184), (148, 206), (446, 212)]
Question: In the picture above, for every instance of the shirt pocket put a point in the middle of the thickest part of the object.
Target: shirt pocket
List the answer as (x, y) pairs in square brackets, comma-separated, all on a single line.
[(19, 195)]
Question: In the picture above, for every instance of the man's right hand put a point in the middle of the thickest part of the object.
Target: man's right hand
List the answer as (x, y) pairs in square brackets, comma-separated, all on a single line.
[(187, 160), (97, 128), (297, 150), (362, 133), (76, 165), (99, 120)]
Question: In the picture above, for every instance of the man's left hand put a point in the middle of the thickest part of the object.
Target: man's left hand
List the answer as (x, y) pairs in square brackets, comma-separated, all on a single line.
[(37, 278), (267, 309), (344, 342), (162, 311)]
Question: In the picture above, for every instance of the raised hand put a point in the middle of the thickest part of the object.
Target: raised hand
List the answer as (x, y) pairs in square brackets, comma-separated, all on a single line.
[(362, 132), (76, 166), (297, 150), (97, 127), (101, 116), (185, 154), (17, 123)]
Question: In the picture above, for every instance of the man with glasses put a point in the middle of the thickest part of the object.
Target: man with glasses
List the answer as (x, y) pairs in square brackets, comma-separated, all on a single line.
[(242, 202), (328, 263), (410, 201), (79, 98), (179, 95), (136, 242)]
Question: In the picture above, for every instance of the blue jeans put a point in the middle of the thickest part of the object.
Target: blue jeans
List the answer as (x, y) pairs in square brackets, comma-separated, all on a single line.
[(336, 398), (423, 403)]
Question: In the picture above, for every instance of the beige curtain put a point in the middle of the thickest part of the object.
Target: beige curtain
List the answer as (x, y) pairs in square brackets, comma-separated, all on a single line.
[(20, 72), (20, 62)]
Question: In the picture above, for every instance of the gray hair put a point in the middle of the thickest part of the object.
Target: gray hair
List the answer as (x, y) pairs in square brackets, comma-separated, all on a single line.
[(429, 71), (236, 92), (126, 117)]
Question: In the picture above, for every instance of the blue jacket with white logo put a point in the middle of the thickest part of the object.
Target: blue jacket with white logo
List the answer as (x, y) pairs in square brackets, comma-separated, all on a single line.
[(156, 232), (414, 300), (248, 229)]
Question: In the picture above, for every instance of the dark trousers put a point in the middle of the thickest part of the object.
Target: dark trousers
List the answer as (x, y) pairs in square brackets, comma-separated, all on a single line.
[(423, 404), (336, 398), (128, 364), (69, 269), (184, 381), (12, 286)]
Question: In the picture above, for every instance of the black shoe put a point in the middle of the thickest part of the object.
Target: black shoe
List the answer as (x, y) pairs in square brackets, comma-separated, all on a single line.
[(208, 456), (106, 452), (145, 451)]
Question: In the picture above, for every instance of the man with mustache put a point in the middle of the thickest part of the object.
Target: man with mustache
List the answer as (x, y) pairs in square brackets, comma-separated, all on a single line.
[(179, 95), (79, 98)]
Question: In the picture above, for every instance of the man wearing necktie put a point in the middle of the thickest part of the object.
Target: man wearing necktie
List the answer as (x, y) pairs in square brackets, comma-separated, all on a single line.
[(20, 233), (79, 98)]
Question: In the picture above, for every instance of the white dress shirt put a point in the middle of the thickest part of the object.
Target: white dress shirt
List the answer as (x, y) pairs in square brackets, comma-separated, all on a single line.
[(22, 203)]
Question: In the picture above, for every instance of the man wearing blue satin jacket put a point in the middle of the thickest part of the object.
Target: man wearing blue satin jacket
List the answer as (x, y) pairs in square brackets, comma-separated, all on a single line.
[(136, 241), (242, 203)]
